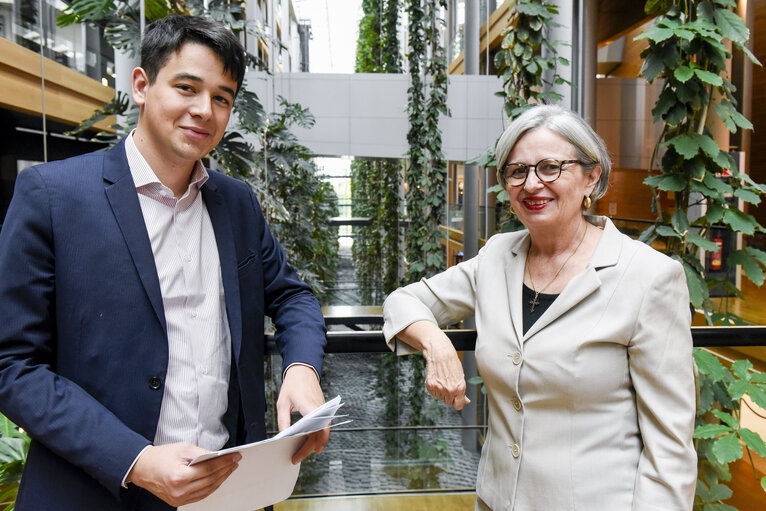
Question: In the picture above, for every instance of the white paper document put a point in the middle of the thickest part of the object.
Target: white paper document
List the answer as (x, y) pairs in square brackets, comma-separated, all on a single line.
[(265, 474)]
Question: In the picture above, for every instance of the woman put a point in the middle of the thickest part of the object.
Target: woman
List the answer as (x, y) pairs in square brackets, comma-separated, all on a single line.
[(583, 339)]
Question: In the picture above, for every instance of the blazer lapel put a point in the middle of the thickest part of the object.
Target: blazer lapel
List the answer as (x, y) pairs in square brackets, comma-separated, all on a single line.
[(123, 199), (514, 276), (224, 238), (584, 284)]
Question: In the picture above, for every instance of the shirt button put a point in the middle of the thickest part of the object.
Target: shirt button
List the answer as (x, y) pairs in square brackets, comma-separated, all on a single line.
[(194, 314), (515, 450), (516, 403), (516, 357), (155, 383)]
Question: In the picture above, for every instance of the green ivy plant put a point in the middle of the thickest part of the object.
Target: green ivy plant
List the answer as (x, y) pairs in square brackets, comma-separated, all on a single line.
[(687, 49), (375, 182), (298, 213), (427, 170), (525, 56), (14, 445)]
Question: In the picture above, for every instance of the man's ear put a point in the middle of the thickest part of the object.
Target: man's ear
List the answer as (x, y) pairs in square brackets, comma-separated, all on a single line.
[(139, 86)]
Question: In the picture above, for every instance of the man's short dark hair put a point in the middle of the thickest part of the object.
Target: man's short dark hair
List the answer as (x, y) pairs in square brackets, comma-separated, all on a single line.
[(166, 36)]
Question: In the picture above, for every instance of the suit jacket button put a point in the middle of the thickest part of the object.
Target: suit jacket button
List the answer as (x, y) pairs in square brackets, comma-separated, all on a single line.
[(155, 383)]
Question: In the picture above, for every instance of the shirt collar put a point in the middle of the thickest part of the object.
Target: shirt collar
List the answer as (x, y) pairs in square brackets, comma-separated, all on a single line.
[(143, 174)]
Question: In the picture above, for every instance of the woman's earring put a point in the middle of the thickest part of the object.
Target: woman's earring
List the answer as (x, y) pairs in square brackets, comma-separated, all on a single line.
[(587, 202), (510, 208)]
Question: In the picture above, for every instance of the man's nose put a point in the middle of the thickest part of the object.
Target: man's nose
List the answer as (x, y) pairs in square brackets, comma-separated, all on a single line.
[(202, 106)]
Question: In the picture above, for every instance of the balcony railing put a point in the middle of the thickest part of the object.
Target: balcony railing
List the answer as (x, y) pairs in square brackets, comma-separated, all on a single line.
[(389, 447)]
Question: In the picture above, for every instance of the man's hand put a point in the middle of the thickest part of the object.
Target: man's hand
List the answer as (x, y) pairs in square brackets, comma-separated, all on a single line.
[(164, 470), (301, 393)]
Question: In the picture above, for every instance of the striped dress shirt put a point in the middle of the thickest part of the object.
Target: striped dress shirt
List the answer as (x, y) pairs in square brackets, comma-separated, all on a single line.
[(199, 347)]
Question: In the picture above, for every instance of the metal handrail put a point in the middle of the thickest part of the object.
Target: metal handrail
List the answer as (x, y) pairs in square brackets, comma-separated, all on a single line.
[(372, 341)]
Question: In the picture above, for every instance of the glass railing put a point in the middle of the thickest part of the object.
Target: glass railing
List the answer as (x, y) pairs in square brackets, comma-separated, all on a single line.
[(388, 448)]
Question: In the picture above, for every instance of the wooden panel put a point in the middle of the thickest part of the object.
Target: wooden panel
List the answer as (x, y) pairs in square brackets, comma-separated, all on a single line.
[(757, 162), (70, 96), (627, 196), (421, 502)]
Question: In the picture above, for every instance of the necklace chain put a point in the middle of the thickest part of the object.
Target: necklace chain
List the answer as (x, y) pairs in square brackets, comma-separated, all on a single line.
[(533, 302)]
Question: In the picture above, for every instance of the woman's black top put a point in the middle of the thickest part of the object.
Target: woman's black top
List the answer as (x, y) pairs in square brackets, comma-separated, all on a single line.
[(543, 302)]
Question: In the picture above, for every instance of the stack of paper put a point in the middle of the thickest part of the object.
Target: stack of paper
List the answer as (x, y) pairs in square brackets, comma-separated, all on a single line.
[(265, 474)]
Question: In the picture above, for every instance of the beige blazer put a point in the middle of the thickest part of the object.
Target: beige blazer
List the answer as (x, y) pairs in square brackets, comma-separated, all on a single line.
[(593, 408)]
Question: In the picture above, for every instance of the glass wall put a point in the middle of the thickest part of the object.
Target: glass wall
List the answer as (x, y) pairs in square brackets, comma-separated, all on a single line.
[(79, 47)]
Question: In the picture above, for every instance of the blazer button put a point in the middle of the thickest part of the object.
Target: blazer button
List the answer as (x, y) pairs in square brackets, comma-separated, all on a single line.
[(155, 383), (516, 357), (515, 450), (516, 403)]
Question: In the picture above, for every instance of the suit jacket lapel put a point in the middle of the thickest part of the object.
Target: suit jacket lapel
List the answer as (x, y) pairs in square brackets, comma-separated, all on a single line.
[(514, 275), (586, 282), (123, 199), (224, 238)]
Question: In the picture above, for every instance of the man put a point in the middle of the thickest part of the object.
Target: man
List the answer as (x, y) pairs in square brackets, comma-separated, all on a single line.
[(133, 285)]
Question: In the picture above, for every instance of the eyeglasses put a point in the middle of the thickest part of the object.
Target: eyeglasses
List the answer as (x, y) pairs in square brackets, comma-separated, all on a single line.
[(547, 170)]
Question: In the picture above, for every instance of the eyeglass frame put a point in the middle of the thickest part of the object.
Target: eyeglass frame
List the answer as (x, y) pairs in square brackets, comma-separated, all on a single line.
[(559, 164)]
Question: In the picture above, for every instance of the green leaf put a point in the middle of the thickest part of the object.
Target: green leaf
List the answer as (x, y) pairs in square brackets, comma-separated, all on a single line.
[(731, 26), (727, 418), (719, 492), (753, 441), (683, 73), (708, 77), (727, 448), (702, 242), (653, 66), (697, 288), (741, 369), (708, 364), (751, 268), (687, 145), (679, 221), (711, 431), (714, 213), (757, 254), (715, 183), (667, 182), (747, 196), (667, 231), (739, 221)]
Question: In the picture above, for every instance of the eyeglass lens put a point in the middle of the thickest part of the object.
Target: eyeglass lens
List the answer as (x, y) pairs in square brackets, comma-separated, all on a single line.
[(547, 170)]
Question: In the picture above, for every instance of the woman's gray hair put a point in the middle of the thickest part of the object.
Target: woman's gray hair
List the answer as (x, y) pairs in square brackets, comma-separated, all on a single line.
[(591, 150)]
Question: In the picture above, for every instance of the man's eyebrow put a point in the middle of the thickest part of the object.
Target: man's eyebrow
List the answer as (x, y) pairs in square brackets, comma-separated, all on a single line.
[(229, 90), (187, 76)]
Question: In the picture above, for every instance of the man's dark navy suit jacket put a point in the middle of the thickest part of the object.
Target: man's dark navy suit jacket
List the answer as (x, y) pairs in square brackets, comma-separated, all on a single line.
[(83, 342)]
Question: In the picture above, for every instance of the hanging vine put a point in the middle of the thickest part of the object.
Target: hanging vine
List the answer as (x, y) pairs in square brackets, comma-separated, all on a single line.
[(527, 61), (426, 184), (375, 182), (687, 47)]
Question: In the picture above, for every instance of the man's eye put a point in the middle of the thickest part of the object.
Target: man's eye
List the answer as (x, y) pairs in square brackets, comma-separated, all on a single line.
[(184, 88)]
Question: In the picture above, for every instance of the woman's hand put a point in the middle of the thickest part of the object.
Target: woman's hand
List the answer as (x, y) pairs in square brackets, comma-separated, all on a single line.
[(445, 379)]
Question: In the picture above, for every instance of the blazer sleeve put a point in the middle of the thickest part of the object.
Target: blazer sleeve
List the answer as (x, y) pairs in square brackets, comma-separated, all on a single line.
[(51, 408), (290, 303), (443, 299), (661, 369)]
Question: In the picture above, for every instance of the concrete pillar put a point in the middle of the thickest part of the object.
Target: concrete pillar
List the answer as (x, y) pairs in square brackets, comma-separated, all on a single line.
[(470, 210)]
